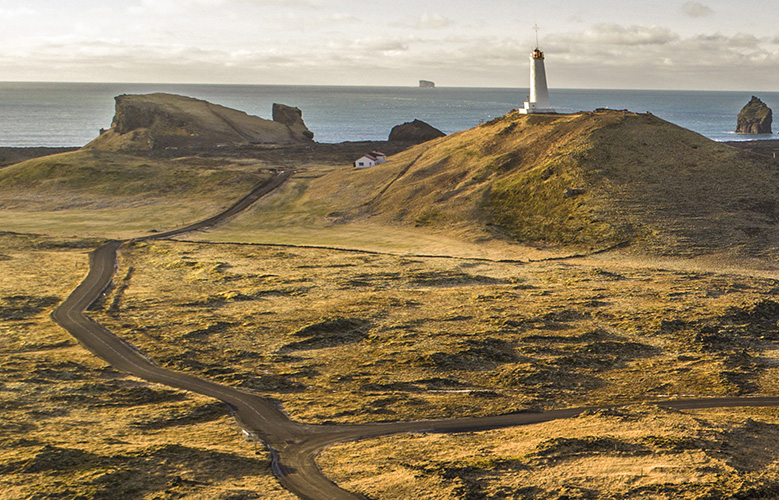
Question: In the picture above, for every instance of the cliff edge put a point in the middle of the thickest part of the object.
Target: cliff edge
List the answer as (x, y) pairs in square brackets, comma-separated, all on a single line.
[(159, 121)]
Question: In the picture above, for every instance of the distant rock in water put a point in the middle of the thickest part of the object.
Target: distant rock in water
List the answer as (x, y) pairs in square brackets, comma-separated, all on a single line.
[(426, 84), (755, 118), (159, 121), (414, 132)]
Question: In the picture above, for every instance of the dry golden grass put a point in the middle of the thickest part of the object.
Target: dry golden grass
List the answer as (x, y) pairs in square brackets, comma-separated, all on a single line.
[(74, 428), (353, 337), (350, 336), (632, 452), (587, 181), (93, 193)]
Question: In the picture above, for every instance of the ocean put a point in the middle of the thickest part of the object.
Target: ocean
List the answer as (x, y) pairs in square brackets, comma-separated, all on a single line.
[(71, 114)]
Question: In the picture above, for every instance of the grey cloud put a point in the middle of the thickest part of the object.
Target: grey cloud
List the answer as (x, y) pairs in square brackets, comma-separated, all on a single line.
[(190, 7), (342, 18), (368, 47), (696, 10), (745, 40), (651, 56), (614, 34)]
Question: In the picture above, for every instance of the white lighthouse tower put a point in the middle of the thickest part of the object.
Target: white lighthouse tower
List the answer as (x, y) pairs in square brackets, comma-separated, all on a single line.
[(538, 102)]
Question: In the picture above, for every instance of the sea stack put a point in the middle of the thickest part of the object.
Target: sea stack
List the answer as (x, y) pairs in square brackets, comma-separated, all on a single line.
[(426, 84), (415, 132), (538, 101), (755, 118)]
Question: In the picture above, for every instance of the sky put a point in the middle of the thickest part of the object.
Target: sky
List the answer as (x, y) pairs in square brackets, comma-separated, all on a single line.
[(644, 44)]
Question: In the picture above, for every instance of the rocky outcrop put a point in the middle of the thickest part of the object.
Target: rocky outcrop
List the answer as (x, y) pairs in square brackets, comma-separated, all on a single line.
[(414, 132), (292, 118), (755, 118), (162, 121)]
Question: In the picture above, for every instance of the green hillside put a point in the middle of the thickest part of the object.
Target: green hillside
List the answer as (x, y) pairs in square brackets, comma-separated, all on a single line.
[(107, 194), (589, 180)]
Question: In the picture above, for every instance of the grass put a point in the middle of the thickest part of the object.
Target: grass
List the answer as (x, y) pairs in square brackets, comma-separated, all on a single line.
[(387, 331), (114, 195), (74, 428), (339, 336), (586, 181), (634, 452)]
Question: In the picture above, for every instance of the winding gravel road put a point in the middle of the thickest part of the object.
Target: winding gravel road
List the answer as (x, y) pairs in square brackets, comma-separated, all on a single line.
[(293, 445)]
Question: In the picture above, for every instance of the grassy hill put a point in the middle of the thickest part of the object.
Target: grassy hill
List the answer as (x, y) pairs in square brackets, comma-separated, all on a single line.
[(94, 192), (588, 180)]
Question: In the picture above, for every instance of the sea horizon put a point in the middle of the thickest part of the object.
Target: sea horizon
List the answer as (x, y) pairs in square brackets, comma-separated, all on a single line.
[(70, 114), (413, 86)]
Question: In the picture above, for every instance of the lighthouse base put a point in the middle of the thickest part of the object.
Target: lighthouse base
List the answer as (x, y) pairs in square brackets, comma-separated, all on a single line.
[(532, 107)]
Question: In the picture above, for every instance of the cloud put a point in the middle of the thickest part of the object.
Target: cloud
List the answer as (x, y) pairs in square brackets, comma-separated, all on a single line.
[(614, 34), (426, 21), (696, 10), (190, 7), (370, 47), (341, 17), (599, 56)]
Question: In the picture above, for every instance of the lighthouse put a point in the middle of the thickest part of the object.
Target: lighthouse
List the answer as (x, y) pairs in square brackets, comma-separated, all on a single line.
[(538, 102)]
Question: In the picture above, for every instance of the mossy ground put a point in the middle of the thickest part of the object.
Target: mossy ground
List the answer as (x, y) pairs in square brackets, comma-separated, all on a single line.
[(74, 428), (346, 336), (633, 452), (88, 192), (351, 337), (585, 181)]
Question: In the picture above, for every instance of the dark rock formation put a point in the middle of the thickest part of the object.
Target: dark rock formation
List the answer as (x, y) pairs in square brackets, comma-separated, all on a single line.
[(292, 118), (414, 132), (160, 121), (426, 84), (755, 118), (573, 192)]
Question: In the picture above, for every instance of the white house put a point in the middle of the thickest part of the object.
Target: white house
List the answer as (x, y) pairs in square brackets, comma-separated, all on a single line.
[(370, 160)]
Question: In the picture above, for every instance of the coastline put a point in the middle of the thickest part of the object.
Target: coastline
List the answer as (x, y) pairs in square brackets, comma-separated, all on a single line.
[(70, 114)]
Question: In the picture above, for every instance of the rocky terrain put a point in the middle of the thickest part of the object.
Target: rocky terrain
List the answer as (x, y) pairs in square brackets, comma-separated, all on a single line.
[(162, 121), (754, 118), (414, 132)]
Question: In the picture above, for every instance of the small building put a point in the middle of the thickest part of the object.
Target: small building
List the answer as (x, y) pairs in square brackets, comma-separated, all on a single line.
[(370, 160)]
